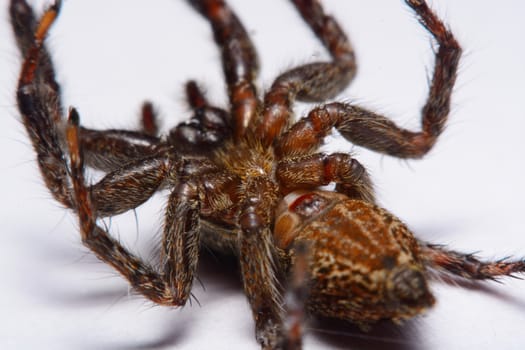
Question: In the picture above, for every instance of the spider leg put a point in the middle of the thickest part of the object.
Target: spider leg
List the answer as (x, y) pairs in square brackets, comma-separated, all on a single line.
[(108, 150), (149, 123), (196, 98), (181, 239), (258, 260), (146, 280), (24, 25), (125, 188), (376, 132), (449, 262), (38, 99), (38, 103), (320, 169), (239, 59), (295, 298), (130, 186), (311, 82), (206, 130)]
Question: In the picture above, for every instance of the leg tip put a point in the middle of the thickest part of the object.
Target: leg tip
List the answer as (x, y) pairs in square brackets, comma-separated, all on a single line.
[(73, 117)]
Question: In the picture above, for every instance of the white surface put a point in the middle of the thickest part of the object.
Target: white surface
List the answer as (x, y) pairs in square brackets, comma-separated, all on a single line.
[(111, 55)]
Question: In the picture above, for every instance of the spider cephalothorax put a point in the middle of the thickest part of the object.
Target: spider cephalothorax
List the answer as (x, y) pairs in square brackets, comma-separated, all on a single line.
[(246, 180)]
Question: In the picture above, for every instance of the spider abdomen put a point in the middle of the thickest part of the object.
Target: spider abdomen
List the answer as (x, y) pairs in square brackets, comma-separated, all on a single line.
[(364, 262)]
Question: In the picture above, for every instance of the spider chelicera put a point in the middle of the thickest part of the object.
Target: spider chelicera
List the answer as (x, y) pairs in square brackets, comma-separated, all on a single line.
[(246, 180)]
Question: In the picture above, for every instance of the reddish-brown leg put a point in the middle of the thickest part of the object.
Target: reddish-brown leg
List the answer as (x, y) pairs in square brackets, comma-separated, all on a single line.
[(38, 99), (320, 169), (376, 132), (119, 190), (208, 128), (24, 24), (41, 114), (311, 82), (181, 237), (239, 60), (258, 260), (295, 298), (157, 287), (449, 262), (129, 186), (108, 150), (149, 123), (39, 102)]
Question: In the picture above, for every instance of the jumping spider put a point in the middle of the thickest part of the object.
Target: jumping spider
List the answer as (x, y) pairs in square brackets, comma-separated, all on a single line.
[(247, 181)]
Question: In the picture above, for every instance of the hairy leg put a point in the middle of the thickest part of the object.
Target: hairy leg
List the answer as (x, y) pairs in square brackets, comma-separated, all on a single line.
[(157, 287), (181, 239), (239, 60), (449, 262), (376, 132), (320, 169), (24, 25), (295, 298), (109, 150), (311, 82), (149, 123), (38, 100), (258, 260)]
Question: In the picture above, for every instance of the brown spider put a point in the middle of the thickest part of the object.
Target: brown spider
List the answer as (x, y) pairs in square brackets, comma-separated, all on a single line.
[(247, 182)]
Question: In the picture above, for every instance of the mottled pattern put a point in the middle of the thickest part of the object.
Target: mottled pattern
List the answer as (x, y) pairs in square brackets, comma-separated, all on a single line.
[(245, 178), (358, 250)]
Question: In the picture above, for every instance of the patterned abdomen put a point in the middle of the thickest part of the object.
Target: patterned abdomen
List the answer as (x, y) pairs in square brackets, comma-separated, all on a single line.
[(364, 263)]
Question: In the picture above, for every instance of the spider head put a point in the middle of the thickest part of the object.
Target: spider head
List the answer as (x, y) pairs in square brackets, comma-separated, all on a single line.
[(364, 263)]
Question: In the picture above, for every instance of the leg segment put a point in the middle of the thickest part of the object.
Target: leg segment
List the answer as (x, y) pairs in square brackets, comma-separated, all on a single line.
[(257, 260), (239, 59), (149, 120), (181, 239), (130, 186), (141, 276), (24, 25), (108, 150), (359, 126), (467, 266), (206, 130), (38, 99), (320, 169), (38, 102), (295, 298), (376, 132), (311, 82)]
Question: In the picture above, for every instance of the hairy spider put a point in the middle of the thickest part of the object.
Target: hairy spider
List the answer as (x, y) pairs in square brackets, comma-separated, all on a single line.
[(247, 181)]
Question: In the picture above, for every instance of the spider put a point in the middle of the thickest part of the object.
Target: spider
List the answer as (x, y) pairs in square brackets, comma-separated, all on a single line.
[(247, 181)]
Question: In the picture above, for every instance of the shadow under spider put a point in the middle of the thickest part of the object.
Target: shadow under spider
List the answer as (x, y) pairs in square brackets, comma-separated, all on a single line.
[(219, 274), (385, 334)]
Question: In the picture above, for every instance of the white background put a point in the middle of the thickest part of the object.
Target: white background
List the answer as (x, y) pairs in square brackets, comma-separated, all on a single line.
[(111, 55)]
